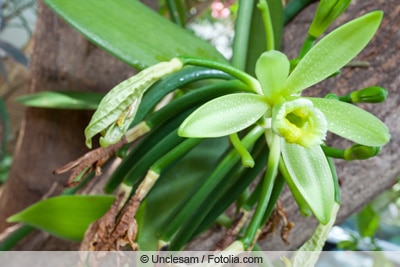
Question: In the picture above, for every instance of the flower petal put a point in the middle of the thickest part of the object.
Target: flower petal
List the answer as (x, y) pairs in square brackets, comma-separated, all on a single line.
[(352, 122), (333, 52), (272, 69), (299, 122), (224, 115), (310, 174)]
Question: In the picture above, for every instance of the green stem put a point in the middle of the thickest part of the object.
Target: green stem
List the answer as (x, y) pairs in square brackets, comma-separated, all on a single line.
[(174, 154), (268, 182), (276, 192), (153, 155), (155, 170), (211, 182), (307, 45), (15, 237), (176, 13), (335, 180), (195, 98), (241, 75), (293, 8), (333, 152), (269, 31), (253, 198), (247, 159), (144, 149), (233, 184), (242, 33)]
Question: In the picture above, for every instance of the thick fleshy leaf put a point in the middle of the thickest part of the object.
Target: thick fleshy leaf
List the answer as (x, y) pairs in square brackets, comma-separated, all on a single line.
[(224, 115), (65, 216), (131, 31), (118, 108), (352, 122), (62, 100), (310, 173), (272, 69), (333, 52)]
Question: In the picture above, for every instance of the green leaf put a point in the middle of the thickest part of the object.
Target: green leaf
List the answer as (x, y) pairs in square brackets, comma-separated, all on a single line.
[(310, 173), (65, 216), (327, 12), (352, 122), (224, 115), (131, 31), (62, 100), (118, 108), (333, 52), (367, 222), (4, 127), (272, 69)]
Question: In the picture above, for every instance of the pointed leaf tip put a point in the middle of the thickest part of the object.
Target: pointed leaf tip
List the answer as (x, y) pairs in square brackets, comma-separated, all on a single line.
[(352, 122), (65, 216), (224, 115), (310, 176), (333, 52)]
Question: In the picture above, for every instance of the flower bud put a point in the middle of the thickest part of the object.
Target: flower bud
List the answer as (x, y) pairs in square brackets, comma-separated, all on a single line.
[(372, 94), (327, 12), (360, 152), (332, 96), (299, 122)]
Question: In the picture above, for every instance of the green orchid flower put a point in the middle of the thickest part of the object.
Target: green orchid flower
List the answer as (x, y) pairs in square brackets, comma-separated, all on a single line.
[(296, 126)]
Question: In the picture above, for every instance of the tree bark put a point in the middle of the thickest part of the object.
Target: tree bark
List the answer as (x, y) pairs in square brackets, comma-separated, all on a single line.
[(64, 60)]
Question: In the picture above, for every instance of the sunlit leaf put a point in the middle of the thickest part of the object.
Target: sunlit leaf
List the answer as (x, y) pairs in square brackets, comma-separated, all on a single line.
[(333, 52), (62, 100), (272, 69), (224, 115), (131, 31), (352, 122), (310, 174), (65, 216)]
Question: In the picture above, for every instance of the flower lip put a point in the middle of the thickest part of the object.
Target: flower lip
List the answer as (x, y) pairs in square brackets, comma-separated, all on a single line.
[(299, 122)]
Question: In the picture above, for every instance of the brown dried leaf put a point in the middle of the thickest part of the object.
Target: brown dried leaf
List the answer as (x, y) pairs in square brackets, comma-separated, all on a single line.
[(92, 160)]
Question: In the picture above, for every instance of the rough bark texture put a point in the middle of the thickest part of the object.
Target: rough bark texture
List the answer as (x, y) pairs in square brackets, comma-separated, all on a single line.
[(62, 60)]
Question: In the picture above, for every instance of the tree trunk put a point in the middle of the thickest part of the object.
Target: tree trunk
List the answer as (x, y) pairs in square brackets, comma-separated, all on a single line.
[(64, 60)]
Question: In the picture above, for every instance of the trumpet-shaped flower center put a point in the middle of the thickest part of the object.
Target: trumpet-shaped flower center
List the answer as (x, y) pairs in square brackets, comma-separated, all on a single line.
[(299, 122)]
